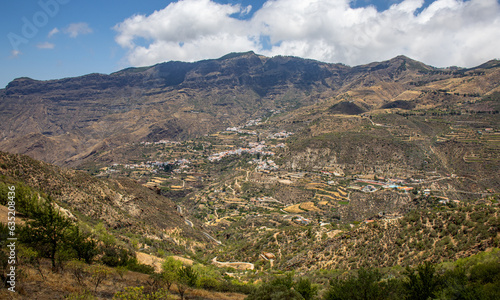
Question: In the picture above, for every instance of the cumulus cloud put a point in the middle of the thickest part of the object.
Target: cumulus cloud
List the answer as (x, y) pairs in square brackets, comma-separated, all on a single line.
[(45, 45), (185, 30), (447, 32), (76, 29)]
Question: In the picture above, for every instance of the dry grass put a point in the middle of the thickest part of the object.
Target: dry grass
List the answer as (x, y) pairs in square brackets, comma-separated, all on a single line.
[(214, 295), (294, 209), (312, 185), (235, 200), (315, 185), (151, 260), (309, 206), (4, 216), (184, 260), (61, 284), (340, 193), (338, 198), (158, 180)]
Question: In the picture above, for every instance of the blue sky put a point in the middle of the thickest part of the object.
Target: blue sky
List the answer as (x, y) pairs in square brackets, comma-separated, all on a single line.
[(48, 39)]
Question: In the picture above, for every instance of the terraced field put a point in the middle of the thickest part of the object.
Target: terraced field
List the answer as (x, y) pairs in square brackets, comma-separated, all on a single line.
[(325, 192)]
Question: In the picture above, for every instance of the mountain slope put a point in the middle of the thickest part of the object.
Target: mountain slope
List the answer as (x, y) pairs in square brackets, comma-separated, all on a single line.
[(82, 116), (121, 204)]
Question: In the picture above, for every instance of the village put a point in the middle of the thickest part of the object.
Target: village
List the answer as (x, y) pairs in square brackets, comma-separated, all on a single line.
[(182, 171), (254, 182)]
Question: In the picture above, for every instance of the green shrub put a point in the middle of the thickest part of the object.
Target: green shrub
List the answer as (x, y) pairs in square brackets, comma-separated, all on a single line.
[(277, 288), (306, 289), (422, 282), (135, 266), (366, 285)]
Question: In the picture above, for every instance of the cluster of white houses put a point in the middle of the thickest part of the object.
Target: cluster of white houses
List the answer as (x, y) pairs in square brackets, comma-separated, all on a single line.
[(280, 135), (257, 148)]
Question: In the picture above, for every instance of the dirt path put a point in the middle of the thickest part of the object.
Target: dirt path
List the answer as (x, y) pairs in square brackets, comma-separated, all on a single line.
[(236, 265)]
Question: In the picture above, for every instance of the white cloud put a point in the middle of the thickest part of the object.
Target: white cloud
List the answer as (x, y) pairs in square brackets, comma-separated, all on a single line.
[(184, 30), (53, 32), (447, 32), (45, 45), (246, 10), (15, 53), (76, 29)]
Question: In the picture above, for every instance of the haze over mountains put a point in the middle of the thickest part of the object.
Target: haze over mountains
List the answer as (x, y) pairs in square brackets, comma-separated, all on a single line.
[(66, 121)]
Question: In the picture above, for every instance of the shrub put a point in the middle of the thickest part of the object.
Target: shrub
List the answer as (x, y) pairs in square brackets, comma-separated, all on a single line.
[(135, 266), (276, 288), (84, 246), (31, 257), (121, 271), (363, 286), (306, 289), (79, 271), (186, 278), (170, 269), (422, 282), (114, 256), (137, 293), (98, 273)]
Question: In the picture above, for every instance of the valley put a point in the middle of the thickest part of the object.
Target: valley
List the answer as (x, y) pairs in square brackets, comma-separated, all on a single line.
[(258, 166), (232, 179)]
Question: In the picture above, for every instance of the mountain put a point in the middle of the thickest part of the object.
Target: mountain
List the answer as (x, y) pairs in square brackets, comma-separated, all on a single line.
[(70, 120), (270, 164)]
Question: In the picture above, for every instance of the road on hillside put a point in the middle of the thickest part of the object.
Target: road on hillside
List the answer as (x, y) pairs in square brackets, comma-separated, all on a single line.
[(245, 265)]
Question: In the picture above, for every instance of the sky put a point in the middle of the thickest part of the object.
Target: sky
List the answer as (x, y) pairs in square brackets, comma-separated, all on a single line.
[(50, 39)]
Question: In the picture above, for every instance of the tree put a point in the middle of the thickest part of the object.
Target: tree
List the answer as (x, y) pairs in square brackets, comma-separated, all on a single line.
[(84, 246), (456, 286), (170, 269), (366, 285), (306, 289), (48, 231), (276, 289), (422, 282), (209, 278), (115, 255), (186, 278)]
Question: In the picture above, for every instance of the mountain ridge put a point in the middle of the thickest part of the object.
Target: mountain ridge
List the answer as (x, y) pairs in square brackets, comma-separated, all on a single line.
[(181, 100), (231, 56)]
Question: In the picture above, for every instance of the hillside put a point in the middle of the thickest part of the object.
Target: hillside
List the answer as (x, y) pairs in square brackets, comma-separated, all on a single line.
[(436, 234), (130, 210), (256, 239), (91, 115)]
